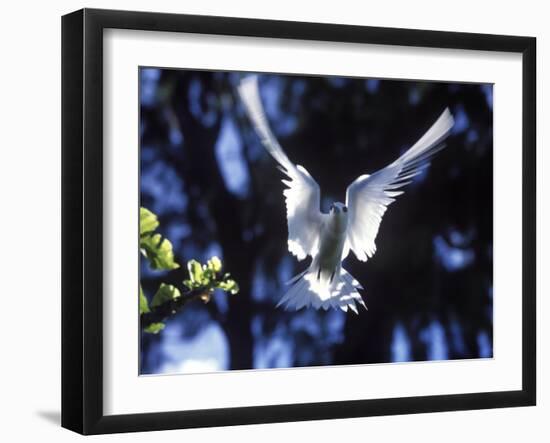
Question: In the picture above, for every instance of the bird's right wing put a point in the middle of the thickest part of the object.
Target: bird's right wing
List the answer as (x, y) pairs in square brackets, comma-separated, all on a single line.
[(303, 197), (368, 197)]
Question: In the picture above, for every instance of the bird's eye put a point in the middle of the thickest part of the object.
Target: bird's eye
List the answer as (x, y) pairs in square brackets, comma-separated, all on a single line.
[(345, 209)]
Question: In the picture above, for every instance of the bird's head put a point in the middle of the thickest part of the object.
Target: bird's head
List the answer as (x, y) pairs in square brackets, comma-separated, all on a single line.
[(339, 216), (338, 209)]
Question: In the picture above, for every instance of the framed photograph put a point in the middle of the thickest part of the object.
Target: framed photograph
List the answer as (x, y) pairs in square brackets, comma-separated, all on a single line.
[(269, 221)]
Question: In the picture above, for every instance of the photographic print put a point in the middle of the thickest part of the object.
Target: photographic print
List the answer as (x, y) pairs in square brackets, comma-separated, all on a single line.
[(295, 221)]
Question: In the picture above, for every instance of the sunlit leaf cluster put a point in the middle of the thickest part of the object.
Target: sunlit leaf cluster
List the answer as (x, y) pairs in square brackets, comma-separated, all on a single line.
[(153, 246), (209, 277), (201, 283)]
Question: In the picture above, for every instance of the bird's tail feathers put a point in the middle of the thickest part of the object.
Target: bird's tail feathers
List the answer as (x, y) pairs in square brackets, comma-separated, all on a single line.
[(308, 290)]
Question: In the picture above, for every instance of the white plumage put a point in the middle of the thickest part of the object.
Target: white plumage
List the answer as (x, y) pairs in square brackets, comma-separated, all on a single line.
[(328, 238)]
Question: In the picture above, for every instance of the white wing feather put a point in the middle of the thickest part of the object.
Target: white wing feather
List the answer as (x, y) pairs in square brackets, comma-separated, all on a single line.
[(302, 195), (368, 197)]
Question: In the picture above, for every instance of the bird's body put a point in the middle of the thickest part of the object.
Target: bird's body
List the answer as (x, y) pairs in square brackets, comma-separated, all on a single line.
[(332, 240), (331, 244), (328, 238)]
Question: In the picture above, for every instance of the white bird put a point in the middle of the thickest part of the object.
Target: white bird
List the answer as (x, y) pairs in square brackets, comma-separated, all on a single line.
[(328, 238)]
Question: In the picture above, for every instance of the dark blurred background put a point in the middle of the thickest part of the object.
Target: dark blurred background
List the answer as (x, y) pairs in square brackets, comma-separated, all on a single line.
[(216, 191)]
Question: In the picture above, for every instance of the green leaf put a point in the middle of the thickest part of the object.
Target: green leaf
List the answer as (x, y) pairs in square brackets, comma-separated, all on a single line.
[(215, 264), (230, 286), (188, 283), (195, 272), (208, 275), (155, 328), (143, 305), (158, 251), (148, 221), (164, 294)]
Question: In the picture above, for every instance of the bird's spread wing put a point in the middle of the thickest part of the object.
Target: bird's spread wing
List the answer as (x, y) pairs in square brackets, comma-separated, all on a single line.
[(303, 194), (368, 197)]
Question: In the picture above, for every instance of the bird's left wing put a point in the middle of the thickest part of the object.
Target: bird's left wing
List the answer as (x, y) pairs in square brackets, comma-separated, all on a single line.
[(368, 197), (303, 195)]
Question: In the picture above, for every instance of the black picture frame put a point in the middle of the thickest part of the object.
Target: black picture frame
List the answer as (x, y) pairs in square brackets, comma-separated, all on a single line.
[(82, 218)]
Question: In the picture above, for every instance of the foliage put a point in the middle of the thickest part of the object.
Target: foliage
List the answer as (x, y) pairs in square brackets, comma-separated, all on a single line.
[(148, 221), (164, 294), (208, 277), (154, 328), (143, 304), (168, 299), (156, 249)]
